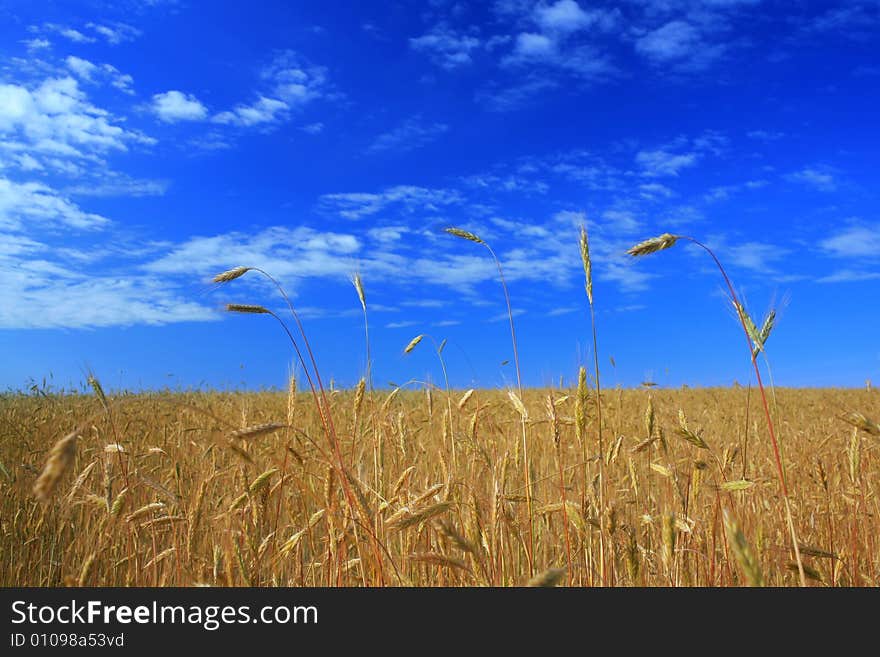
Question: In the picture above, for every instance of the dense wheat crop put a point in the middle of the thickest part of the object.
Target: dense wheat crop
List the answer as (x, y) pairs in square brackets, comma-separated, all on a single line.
[(242, 488), (437, 487)]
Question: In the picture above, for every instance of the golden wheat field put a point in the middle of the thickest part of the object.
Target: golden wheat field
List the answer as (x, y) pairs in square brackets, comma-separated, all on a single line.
[(430, 488)]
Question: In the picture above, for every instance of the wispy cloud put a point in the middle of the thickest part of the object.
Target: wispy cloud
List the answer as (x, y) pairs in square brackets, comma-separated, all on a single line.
[(119, 185), (563, 310), (498, 98), (566, 16), (858, 240), (313, 128), (25, 204), (356, 205), (90, 72), (298, 252), (67, 32), (446, 47), (662, 163), (287, 84), (849, 276), (113, 33), (678, 42), (412, 134), (35, 45), (294, 80), (765, 135), (819, 178), (263, 110), (759, 257), (51, 295)]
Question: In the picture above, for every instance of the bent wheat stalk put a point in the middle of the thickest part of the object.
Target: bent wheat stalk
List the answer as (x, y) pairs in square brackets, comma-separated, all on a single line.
[(666, 241), (319, 395)]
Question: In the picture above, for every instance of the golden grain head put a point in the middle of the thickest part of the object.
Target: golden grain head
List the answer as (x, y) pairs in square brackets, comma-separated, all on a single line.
[(653, 245), (465, 398), (463, 234), (231, 274), (587, 262), (413, 343), (257, 430), (60, 458)]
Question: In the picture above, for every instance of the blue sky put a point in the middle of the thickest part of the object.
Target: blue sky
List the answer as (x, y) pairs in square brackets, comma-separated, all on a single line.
[(146, 145)]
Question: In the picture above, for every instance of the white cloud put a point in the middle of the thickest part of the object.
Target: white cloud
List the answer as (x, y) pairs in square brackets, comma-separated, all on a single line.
[(298, 252), (173, 106), (387, 233), (83, 68), (120, 186), (410, 135), (681, 44), (849, 276), (816, 177), (567, 16), (41, 294), (212, 141), (74, 35), (23, 204), (294, 80), (56, 126), (563, 16), (856, 241), (530, 44), (313, 128), (756, 256), (264, 110), (663, 163), (533, 49), (90, 72), (290, 84), (355, 205), (446, 47), (115, 33), (654, 191), (673, 40), (512, 98), (765, 135), (856, 20), (506, 183), (29, 163), (622, 221), (37, 44)]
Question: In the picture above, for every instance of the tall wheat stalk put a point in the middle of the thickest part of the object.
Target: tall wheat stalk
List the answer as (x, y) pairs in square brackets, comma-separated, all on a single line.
[(463, 234), (588, 285), (368, 378), (668, 240)]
